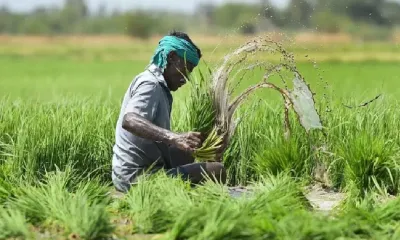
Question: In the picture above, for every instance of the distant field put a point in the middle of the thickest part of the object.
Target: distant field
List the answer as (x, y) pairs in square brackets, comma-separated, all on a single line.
[(59, 101), (49, 78), (38, 67), (317, 47)]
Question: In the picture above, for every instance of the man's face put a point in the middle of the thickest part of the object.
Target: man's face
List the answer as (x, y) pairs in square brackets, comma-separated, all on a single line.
[(177, 71)]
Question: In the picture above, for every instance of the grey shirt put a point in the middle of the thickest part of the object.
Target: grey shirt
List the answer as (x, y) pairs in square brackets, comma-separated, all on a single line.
[(149, 96)]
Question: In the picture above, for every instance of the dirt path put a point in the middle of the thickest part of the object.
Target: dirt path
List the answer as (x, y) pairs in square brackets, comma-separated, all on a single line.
[(324, 200)]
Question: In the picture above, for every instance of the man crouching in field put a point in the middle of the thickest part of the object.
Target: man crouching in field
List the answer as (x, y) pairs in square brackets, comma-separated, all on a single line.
[(144, 142)]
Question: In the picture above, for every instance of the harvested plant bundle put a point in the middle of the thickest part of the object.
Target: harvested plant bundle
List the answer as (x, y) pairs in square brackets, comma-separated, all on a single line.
[(212, 107)]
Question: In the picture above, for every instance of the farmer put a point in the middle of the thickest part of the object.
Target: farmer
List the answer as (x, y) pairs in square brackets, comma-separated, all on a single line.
[(144, 142)]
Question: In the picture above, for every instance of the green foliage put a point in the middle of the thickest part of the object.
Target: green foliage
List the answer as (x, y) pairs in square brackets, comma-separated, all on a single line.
[(201, 110), (298, 14), (243, 18), (280, 155), (219, 216), (140, 25), (155, 201), (370, 162), (52, 203), (366, 32), (12, 224), (235, 15), (43, 131), (240, 157), (326, 21), (35, 149), (213, 220)]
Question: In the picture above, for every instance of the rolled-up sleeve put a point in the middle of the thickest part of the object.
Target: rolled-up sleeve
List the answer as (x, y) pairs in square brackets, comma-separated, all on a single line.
[(144, 100)]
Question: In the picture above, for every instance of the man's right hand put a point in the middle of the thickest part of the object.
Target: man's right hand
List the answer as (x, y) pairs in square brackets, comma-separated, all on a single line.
[(187, 142)]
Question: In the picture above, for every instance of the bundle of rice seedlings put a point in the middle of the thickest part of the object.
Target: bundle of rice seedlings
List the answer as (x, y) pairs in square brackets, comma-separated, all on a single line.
[(212, 105)]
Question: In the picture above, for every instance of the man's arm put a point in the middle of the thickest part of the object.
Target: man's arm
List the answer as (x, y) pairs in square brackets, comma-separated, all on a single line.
[(143, 128), (141, 110)]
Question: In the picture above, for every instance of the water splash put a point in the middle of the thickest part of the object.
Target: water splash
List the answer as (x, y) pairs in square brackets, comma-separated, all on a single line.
[(219, 123), (239, 63), (303, 103)]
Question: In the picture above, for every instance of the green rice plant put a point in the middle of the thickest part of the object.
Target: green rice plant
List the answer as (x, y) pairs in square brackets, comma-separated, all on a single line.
[(158, 204), (239, 156), (275, 196), (93, 188), (155, 201), (369, 162), (8, 184), (254, 216), (362, 216), (215, 215), (47, 135), (308, 225), (213, 220), (375, 215), (203, 116), (270, 200), (13, 224), (33, 200), (82, 217), (81, 212), (200, 103), (210, 191), (282, 155)]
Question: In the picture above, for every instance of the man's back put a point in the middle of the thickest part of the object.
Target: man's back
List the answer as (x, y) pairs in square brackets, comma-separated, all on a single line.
[(149, 97)]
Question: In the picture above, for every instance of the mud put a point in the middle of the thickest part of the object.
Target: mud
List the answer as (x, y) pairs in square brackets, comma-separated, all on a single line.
[(322, 199)]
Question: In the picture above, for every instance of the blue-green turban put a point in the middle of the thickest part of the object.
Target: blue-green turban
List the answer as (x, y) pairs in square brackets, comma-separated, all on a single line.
[(183, 48)]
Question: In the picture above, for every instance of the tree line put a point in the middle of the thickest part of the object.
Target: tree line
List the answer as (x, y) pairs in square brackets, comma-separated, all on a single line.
[(368, 18)]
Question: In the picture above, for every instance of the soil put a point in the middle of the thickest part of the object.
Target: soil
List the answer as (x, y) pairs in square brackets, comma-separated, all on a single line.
[(323, 199)]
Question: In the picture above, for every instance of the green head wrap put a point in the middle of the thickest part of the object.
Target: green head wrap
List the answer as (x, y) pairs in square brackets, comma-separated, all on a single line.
[(183, 48)]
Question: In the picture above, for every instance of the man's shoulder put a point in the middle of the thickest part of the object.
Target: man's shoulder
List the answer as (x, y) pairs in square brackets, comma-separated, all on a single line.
[(146, 76), (145, 79)]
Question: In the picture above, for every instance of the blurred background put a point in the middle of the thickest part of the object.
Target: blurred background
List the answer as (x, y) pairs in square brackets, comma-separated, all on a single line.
[(53, 48), (343, 20)]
